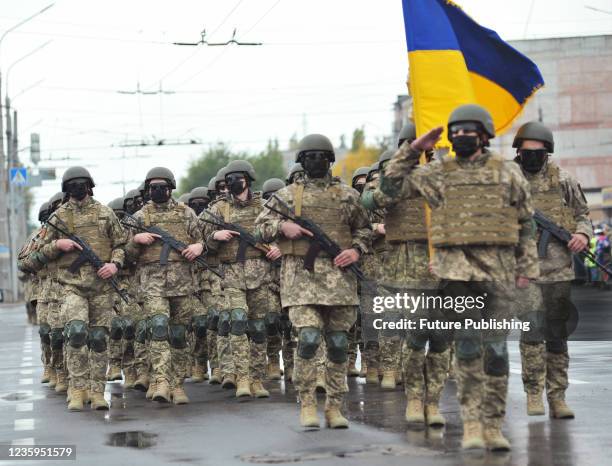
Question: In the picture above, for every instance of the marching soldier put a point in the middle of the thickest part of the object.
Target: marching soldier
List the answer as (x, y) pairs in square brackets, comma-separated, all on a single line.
[(322, 301), (556, 194)]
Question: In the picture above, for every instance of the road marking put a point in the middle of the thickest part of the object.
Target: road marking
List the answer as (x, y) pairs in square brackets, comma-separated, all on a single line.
[(23, 441), (25, 350), (26, 381), (26, 371), (24, 407), (24, 424), (26, 364), (27, 358)]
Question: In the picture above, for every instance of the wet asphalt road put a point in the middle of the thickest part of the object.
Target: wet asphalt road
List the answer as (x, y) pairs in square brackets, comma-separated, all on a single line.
[(215, 429)]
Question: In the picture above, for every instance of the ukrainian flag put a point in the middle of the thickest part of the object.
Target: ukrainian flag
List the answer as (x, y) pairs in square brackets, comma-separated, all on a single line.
[(454, 61)]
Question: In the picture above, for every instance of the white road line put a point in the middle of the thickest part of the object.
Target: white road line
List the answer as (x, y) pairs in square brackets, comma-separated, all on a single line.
[(24, 407), (26, 350), (24, 424), (26, 371), (26, 364), (26, 381), (27, 358), (23, 441)]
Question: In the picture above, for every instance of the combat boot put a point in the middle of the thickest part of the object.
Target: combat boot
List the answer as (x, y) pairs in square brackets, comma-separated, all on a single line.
[(273, 371), (114, 373), (215, 376), (229, 381), (76, 399), (142, 383), (535, 405), (162, 391), (243, 387), (98, 402), (321, 387), (388, 381), (414, 411), (150, 390), (495, 440), (197, 373), (334, 418), (352, 370), (45, 376), (372, 376), (61, 385), (434, 418), (179, 397), (308, 412), (472, 435), (560, 410), (258, 390), (364, 369), (130, 378), (52, 378)]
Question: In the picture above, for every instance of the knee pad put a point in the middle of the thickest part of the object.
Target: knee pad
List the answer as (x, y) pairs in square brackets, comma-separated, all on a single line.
[(284, 325), (438, 343), (272, 322), (257, 330), (238, 322), (129, 328), (337, 346), (199, 324), (213, 319), (97, 339), (57, 338), (44, 331), (496, 358), (390, 317), (116, 328), (556, 346), (417, 340), (467, 345), (225, 318), (141, 331), (158, 325), (177, 336), (76, 333), (309, 339)]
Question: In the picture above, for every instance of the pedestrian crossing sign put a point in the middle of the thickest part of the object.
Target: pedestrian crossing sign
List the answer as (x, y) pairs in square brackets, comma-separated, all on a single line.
[(18, 176)]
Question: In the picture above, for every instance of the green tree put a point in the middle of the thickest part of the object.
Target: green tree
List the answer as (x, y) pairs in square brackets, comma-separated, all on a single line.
[(268, 164)]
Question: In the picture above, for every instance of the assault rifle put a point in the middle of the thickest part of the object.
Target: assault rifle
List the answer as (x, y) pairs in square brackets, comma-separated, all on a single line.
[(550, 228), (86, 255), (169, 243), (319, 241), (246, 238)]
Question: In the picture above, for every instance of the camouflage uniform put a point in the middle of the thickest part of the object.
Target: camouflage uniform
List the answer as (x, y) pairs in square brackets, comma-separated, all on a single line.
[(199, 324), (168, 292), (323, 301), (473, 257), (86, 300), (558, 196), (245, 286)]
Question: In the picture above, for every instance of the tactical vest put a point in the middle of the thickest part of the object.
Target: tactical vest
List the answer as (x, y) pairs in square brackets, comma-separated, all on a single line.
[(547, 197), (244, 217), (91, 227), (324, 209), (174, 221), (405, 221), (473, 210)]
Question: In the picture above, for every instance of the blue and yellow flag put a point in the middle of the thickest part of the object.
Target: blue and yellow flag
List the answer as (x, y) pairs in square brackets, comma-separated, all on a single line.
[(454, 61)]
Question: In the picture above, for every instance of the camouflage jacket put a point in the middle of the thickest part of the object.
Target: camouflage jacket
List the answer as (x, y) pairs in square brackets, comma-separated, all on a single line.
[(402, 177), (177, 277), (327, 285)]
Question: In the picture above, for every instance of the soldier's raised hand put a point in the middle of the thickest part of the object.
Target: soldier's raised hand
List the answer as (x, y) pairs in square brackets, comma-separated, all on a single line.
[(145, 238), (293, 231), (67, 245), (428, 140), (225, 235)]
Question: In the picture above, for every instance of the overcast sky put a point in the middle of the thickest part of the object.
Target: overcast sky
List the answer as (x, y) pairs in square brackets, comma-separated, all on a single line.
[(325, 66)]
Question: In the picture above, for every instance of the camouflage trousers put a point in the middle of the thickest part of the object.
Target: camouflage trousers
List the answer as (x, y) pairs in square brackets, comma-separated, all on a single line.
[(57, 322), (199, 341), (171, 362), (545, 362), (122, 348), (249, 357), (142, 360), (86, 367), (277, 344), (355, 340), (42, 314), (324, 318)]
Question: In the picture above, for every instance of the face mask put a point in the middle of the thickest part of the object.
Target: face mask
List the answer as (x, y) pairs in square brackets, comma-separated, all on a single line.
[(78, 190), (159, 193), (465, 146), (236, 183), (316, 165), (359, 187), (137, 204), (198, 206), (532, 161)]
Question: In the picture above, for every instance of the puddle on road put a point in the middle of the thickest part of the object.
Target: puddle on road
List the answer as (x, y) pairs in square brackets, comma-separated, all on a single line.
[(132, 439)]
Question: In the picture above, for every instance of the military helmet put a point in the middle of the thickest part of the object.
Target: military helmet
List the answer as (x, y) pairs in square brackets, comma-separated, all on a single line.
[(315, 142), (385, 157), (407, 133), (184, 198), (74, 173), (131, 194), (220, 176), (116, 204), (43, 211), (272, 185), (473, 112), (375, 167), (212, 184), (57, 197), (361, 171), (535, 131), (141, 188), (161, 173), (240, 166), (199, 192), (295, 169)]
